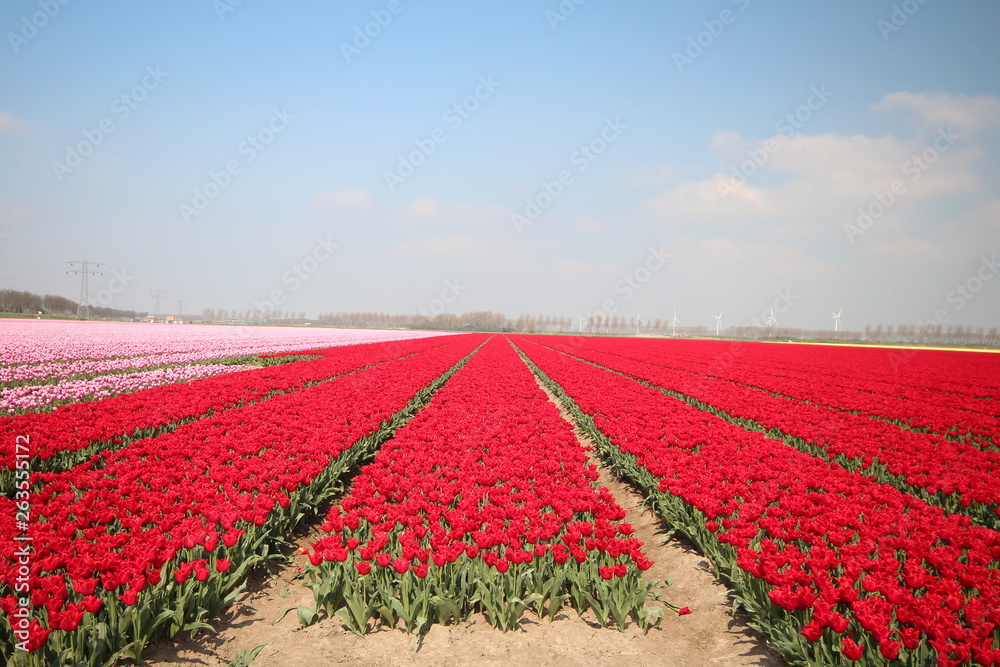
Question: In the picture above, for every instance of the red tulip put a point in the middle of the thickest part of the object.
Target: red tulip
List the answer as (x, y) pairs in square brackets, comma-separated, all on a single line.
[(92, 603), (852, 651)]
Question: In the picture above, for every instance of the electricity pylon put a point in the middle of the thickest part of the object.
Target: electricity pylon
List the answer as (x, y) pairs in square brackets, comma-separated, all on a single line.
[(156, 295), (83, 308)]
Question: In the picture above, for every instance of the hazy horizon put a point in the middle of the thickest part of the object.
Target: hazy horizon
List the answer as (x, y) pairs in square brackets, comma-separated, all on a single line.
[(554, 158)]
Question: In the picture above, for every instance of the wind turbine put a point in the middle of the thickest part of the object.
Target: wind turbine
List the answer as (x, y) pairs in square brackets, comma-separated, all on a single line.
[(718, 322), (771, 319), (638, 320), (836, 319), (674, 322), (582, 318)]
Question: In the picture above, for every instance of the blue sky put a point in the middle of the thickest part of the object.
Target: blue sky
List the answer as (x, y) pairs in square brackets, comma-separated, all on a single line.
[(699, 156)]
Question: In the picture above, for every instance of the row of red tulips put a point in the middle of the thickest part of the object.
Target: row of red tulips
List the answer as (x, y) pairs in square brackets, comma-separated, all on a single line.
[(140, 543), (960, 477), (485, 501), (72, 433), (834, 566), (924, 396)]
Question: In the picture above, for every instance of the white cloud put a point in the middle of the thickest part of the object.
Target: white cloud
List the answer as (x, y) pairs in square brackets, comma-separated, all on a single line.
[(649, 176), (346, 198), (454, 247), (725, 141), (13, 215), (430, 209), (978, 229), (906, 248), (940, 109), (573, 268), (590, 224), (700, 201), (810, 182), (11, 124), (756, 262)]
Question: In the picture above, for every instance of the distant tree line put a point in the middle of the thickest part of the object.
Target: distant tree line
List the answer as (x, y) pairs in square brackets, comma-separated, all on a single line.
[(608, 324), (29, 303), (253, 316), (483, 320)]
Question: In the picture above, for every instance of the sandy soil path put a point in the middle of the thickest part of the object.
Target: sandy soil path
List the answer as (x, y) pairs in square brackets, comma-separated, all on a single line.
[(710, 635)]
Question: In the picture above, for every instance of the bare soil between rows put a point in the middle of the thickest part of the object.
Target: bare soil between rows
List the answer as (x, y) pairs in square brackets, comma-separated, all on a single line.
[(710, 635)]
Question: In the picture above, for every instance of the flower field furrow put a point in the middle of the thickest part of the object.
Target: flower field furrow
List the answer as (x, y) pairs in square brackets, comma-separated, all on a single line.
[(59, 371), (71, 433), (50, 363), (104, 386), (959, 477), (154, 538), (855, 383), (32, 342), (834, 566), (845, 495), (485, 501)]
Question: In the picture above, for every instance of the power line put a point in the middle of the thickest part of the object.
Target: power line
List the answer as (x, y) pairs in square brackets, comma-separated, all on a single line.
[(156, 295), (83, 309)]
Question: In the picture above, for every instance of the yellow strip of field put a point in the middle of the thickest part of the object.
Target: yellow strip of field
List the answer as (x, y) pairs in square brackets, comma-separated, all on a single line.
[(889, 346)]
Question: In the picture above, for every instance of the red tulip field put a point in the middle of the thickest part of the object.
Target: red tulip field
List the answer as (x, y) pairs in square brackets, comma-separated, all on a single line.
[(850, 503)]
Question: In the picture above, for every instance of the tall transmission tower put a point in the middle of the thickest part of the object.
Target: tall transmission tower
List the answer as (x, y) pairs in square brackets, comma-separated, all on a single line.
[(180, 309), (156, 295), (83, 309)]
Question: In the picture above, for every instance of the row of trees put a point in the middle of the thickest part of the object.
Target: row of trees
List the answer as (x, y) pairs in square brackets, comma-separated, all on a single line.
[(15, 301), (613, 324), (253, 316), (29, 303), (952, 334), (476, 321)]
